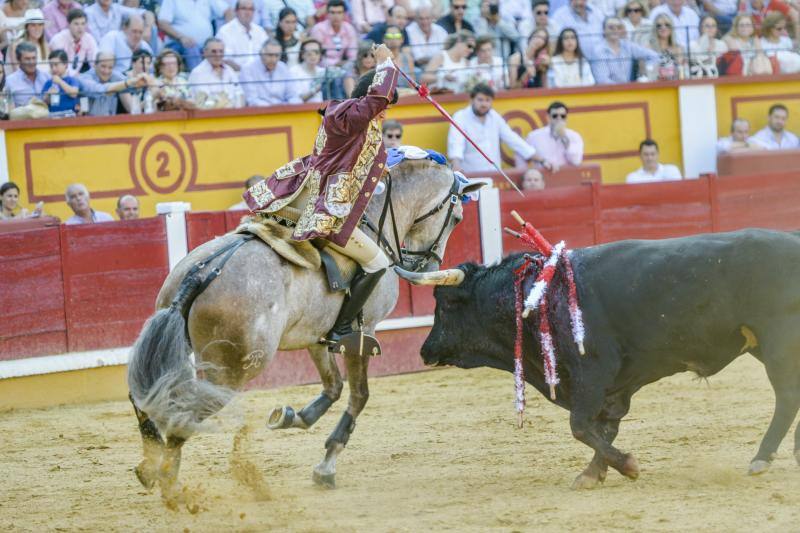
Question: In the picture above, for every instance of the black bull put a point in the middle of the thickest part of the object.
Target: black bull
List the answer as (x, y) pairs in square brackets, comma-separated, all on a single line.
[(651, 309)]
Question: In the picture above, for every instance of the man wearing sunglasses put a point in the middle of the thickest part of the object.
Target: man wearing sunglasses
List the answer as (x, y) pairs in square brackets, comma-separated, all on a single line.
[(556, 144), (612, 59), (504, 32), (398, 16), (684, 19), (454, 21)]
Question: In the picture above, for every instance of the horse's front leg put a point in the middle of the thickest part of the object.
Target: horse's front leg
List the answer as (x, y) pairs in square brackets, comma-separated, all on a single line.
[(325, 472), (286, 417)]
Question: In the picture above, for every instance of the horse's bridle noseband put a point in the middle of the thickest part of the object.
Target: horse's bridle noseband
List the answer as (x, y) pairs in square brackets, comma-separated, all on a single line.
[(400, 257)]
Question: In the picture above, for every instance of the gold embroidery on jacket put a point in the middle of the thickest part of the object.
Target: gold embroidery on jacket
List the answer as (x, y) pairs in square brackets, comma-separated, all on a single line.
[(289, 169), (378, 80), (261, 193), (319, 142)]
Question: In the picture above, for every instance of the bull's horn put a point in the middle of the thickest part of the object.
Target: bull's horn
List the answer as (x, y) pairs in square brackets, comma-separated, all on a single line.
[(451, 276)]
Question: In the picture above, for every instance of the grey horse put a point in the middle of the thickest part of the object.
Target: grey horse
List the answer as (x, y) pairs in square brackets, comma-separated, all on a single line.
[(258, 304)]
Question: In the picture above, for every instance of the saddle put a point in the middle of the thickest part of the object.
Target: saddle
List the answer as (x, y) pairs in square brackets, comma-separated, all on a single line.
[(275, 230)]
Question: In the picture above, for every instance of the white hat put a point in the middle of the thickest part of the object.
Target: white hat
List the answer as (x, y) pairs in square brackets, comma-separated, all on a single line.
[(34, 16)]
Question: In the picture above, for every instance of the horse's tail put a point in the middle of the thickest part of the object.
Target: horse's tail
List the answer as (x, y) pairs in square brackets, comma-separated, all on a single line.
[(161, 376)]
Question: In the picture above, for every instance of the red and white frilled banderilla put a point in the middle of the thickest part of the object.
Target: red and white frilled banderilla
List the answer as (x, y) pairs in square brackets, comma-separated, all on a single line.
[(537, 297)]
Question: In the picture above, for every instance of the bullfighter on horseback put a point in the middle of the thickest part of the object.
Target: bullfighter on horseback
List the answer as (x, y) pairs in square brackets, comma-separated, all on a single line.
[(332, 187)]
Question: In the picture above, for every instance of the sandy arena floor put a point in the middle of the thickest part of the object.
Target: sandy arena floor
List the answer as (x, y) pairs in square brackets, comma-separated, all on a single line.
[(433, 451)]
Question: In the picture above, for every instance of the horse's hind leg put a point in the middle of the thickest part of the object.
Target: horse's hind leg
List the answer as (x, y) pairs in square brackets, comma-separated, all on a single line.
[(325, 472), (153, 447), (286, 417)]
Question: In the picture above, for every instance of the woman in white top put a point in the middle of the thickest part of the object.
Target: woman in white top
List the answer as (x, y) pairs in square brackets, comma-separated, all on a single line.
[(774, 35), (637, 25), (742, 38), (569, 68), (287, 34), (33, 32), (703, 52), (448, 70), (307, 74), (485, 66)]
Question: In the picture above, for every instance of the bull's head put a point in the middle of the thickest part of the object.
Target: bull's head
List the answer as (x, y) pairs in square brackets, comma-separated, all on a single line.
[(474, 319)]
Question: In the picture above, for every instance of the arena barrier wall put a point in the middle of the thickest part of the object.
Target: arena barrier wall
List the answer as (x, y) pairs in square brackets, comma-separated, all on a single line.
[(203, 157)]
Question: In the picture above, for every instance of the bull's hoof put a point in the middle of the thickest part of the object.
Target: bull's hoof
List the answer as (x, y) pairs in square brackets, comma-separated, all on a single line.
[(630, 468), (281, 418), (585, 482), (758, 467), (146, 474), (326, 481), (797, 456)]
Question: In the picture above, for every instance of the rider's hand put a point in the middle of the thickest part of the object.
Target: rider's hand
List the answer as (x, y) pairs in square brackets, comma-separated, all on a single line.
[(381, 53)]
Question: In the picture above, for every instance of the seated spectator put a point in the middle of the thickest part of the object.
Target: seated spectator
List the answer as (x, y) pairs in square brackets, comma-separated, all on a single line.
[(187, 23), (529, 69), (397, 16), (33, 33), (557, 145), (541, 21), (393, 39), (637, 25), (454, 21), (142, 99), (304, 10), (738, 140), (705, 51), (308, 75), (672, 58), (60, 92), (447, 71), (127, 207), (392, 134), (9, 203), (365, 62), (368, 13), (242, 206), (287, 34), (437, 7), (338, 37), (241, 36), (173, 86), (214, 84), (485, 66), (78, 44), (504, 34), (102, 86), (775, 136), (774, 37), (123, 43), (722, 11), (487, 128), (28, 81), (425, 38), (104, 16), (742, 38), (268, 81), (151, 33), (758, 10), (613, 59), (652, 171), (518, 13), (581, 17), (683, 19), (532, 180), (78, 200), (55, 15), (15, 9), (569, 67)]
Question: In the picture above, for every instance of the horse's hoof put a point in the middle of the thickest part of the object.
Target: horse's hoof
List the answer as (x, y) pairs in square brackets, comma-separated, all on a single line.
[(630, 468), (585, 482), (758, 467), (326, 481), (281, 418), (146, 475)]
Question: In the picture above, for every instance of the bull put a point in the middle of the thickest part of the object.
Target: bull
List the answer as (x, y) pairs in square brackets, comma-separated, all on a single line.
[(651, 309)]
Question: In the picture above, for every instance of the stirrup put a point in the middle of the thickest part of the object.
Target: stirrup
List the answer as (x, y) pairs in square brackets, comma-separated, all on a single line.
[(356, 343)]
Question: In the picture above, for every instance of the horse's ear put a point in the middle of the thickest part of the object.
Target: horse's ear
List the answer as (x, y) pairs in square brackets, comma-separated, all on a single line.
[(472, 187)]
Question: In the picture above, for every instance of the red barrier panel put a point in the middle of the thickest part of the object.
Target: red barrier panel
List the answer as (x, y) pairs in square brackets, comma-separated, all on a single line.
[(203, 226), (769, 201), (750, 163), (31, 294), (112, 274)]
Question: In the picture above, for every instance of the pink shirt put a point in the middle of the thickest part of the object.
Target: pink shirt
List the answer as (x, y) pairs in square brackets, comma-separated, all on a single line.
[(337, 46), (55, 19), (554, 150), (83, 50), (370, 11)]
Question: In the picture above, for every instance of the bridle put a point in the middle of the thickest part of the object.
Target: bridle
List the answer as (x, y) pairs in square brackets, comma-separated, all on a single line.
[(412, 260)]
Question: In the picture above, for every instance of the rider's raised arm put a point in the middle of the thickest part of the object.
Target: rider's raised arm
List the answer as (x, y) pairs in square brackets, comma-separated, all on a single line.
[(355, 114)]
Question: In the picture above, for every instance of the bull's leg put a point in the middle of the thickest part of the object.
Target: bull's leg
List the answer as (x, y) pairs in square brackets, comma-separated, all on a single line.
[(153, 446), (325, 472), (597, 470), (286, 417)]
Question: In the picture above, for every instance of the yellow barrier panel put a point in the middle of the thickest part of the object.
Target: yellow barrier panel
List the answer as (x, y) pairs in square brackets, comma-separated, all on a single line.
[(751, 101)]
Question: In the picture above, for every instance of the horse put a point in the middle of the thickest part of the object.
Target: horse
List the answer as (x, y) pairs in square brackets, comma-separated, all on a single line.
[(259, 303)]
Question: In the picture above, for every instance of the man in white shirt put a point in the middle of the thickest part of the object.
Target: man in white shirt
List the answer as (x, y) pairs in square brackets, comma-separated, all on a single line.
[(77, 197), (123, 43), (652, 171), (584, 19), (738, 140), (243, 39), (555, 143), (684, 20), (425, 38), (214, 84), (269, 81), (775, 136), (104, 16), (487, 128)]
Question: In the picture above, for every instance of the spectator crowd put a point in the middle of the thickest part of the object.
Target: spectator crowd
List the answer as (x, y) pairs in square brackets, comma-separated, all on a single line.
[(63, 58)]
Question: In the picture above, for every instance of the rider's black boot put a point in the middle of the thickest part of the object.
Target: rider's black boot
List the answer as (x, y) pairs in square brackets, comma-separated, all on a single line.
[(360, 290)]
